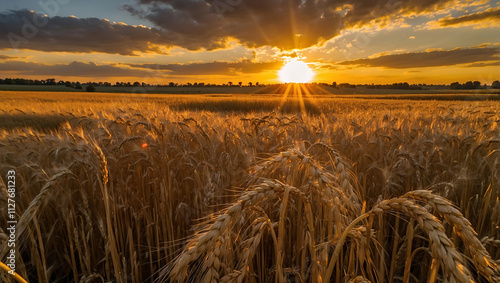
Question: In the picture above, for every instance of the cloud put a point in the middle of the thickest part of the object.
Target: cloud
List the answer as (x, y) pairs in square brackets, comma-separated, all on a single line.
[(5, 57), (81, 69), (286, 24), (29, 30), (487, 18), (204, 24), (214, 68), (74, 69), (433, 58), (484, 64)]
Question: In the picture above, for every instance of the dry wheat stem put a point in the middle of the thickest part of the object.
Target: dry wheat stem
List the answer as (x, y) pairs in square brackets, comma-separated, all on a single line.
[(481, 258), (441, 246)]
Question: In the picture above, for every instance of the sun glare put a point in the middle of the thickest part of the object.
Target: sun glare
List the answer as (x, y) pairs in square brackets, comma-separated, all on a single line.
[(295, 71)]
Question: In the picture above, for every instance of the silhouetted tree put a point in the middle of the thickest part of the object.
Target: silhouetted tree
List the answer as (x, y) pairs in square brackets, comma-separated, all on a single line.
[(90, 87), (171, 84), (250, 84), (240, 83), (78, 85), (136, 84), (495, 85), (230, 83)]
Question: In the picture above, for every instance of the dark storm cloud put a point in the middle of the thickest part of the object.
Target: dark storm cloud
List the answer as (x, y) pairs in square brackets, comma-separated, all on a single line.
[(29, 30), (213, 68), (428, 59), (286, 24), (487, 17), (203, 24), (75, 69), (80, 69)]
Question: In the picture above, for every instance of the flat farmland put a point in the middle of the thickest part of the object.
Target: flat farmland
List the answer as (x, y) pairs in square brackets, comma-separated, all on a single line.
[(298, 186)]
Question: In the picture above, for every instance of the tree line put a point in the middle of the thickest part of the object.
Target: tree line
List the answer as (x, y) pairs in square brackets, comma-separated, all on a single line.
[(90, 86)]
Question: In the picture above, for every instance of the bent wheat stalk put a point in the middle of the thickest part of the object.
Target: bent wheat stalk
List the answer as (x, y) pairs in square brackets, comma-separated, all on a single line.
[(441, 246), (207, 240), (481, 258), (16, 276)]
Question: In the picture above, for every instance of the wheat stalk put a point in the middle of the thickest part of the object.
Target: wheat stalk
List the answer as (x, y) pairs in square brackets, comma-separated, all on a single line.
[(441, 246), (481, 258)]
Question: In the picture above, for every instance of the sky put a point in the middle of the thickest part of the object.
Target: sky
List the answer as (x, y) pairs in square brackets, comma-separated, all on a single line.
[(217, 41)]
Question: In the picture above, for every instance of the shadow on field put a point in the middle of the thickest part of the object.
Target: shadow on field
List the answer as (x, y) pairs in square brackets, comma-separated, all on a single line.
[(289, 106), (38, 122)]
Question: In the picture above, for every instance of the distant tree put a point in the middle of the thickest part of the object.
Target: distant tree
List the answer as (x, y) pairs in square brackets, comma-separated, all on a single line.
[(68, 84), (455, 85), (257, 84), (171, 84), (60, 83), (78, 85), (90, 87), (51, 81), (334, 84), (240, 83), (472, 85), (136, 84), (250, 84), (495, 85), (346, 85), (230, 83)]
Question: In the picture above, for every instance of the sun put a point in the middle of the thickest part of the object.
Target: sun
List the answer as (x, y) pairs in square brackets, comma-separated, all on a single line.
[(295, 71)]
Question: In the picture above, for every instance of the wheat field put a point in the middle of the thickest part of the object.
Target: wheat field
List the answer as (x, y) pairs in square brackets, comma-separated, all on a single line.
[(251, 189)]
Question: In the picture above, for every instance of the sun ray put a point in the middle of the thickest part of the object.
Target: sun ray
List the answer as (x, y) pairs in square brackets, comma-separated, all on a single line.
[(325, 91), (285, 96), (298, 91), (311, 99)]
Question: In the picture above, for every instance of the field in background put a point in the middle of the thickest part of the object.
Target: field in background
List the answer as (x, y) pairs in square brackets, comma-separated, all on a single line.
[(428, 92), (251, 188)]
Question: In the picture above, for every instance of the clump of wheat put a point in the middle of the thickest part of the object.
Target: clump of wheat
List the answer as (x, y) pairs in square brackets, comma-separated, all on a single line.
[(296, 169)]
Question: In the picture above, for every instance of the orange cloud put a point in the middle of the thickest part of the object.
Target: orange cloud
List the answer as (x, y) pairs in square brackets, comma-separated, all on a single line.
[(432, 58), (488, 18)]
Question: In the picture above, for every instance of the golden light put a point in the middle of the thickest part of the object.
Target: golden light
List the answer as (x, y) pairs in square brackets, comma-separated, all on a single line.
[(295, 71)]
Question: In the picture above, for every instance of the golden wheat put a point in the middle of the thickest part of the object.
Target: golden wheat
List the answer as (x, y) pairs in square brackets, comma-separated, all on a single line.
[(164, 190)]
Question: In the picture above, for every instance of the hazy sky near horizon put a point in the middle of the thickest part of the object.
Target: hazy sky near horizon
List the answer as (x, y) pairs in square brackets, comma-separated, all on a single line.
[(158, 41)]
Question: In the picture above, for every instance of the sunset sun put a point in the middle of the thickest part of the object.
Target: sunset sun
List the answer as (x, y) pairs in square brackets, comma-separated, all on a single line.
[(295, 71)]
